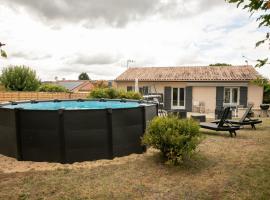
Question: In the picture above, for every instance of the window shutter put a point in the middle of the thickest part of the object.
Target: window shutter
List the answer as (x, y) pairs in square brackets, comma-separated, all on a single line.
[(219, 97), (243, 96), (167, 98), (188, 99)]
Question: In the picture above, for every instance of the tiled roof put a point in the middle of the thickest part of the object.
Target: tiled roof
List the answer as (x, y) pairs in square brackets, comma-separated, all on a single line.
[(87, 86), (202, 73)]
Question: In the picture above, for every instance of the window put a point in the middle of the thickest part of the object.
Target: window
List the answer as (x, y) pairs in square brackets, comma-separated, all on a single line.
[(231, 95), (178, 97), (130, 88), (144, 90)]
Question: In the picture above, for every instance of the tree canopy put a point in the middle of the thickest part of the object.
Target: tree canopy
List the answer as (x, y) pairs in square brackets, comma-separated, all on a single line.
[(262, 8), (84, 76), (19, 78)]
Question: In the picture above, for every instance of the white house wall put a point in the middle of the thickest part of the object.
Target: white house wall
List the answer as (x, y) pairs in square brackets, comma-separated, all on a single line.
[(255, 95), (206, 95), (202, 92)]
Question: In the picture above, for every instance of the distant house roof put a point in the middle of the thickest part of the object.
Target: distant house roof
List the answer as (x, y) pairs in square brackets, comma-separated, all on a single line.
[(85, 87), (77, 85), (207, 73), (70, 85)]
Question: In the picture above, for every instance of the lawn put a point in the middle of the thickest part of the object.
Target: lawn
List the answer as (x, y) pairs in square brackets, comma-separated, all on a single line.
[(223, 168)]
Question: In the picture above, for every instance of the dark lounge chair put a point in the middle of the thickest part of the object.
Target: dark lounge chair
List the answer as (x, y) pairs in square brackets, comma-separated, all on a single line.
[(246, 120), (222, 125)]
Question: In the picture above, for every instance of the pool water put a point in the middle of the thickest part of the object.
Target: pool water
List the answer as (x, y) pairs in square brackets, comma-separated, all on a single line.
[(73, 105)]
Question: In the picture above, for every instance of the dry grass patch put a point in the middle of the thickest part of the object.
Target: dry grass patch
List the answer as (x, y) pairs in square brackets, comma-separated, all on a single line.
[(223, 168)]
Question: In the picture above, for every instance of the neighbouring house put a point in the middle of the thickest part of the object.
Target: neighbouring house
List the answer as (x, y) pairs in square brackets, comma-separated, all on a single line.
[(76, 85), (190, 87), (82, 86)]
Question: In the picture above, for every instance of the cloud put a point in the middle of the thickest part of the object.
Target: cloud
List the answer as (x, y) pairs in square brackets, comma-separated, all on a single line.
[(69, 41), (29, 55), (98, 59), (109, 71), (116, 13)]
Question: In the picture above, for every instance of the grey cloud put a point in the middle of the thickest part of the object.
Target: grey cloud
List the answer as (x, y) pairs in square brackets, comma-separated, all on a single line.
[(98, 59), (115, 13), (29, 56), (112, 12)]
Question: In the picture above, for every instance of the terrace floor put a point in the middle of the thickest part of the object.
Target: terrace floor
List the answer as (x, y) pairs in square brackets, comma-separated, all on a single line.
[(223, 168)]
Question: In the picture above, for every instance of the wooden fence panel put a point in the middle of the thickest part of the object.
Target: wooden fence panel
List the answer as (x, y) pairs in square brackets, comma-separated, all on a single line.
[(21, 96)]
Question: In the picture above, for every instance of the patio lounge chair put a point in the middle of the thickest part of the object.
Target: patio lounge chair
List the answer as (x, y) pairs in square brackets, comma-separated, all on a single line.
[(245, 119), (222, 125)]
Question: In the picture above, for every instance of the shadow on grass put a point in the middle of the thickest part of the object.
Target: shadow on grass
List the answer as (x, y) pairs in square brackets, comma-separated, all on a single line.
[(196, 164), (216, 133), (242, 134)]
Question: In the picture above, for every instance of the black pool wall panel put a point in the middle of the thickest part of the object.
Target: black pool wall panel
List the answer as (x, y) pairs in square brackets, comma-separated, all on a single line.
[(40, 140), (127, 130), (8, 134), (86, 135), (150, 112)]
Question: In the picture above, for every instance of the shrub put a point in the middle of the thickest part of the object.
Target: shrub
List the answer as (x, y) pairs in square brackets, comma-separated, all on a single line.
[(130, 95), (19, 78), (176, 139), (112, 93), (52, 88), (99, 93)]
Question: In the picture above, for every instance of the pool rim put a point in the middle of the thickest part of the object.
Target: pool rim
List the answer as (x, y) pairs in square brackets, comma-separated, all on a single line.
[(141, 103)]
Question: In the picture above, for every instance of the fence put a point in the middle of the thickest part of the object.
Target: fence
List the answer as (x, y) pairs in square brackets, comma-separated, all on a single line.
[(19, 96)]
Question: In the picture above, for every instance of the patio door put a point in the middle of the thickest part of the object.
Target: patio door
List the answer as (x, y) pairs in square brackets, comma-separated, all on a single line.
[(231, 96), (178, 98)]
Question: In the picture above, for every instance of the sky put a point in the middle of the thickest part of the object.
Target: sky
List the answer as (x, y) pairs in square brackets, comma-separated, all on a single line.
[(63, 38)]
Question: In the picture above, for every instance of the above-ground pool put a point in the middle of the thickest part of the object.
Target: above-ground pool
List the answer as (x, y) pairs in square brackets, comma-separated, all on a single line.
[(70, 131), (73, 105)]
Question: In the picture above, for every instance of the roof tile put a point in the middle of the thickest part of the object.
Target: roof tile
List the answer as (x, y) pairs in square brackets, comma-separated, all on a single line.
[(202, 73)]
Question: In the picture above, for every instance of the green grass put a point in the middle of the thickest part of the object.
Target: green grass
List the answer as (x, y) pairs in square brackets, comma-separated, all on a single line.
[(223, 168)]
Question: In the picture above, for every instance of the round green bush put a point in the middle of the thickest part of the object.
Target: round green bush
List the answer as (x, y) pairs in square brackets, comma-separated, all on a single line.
[(19, 78), (52, 88), (176, 138)]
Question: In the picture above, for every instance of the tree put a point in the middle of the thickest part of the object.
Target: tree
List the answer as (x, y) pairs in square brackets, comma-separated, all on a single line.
[(261, 7), (19, 78), (84, 76), (100, 84), (2, 52), (220, 64)]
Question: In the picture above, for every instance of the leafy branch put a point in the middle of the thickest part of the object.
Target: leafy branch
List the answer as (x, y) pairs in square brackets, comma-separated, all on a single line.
[(261, 6), (2, 52)]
